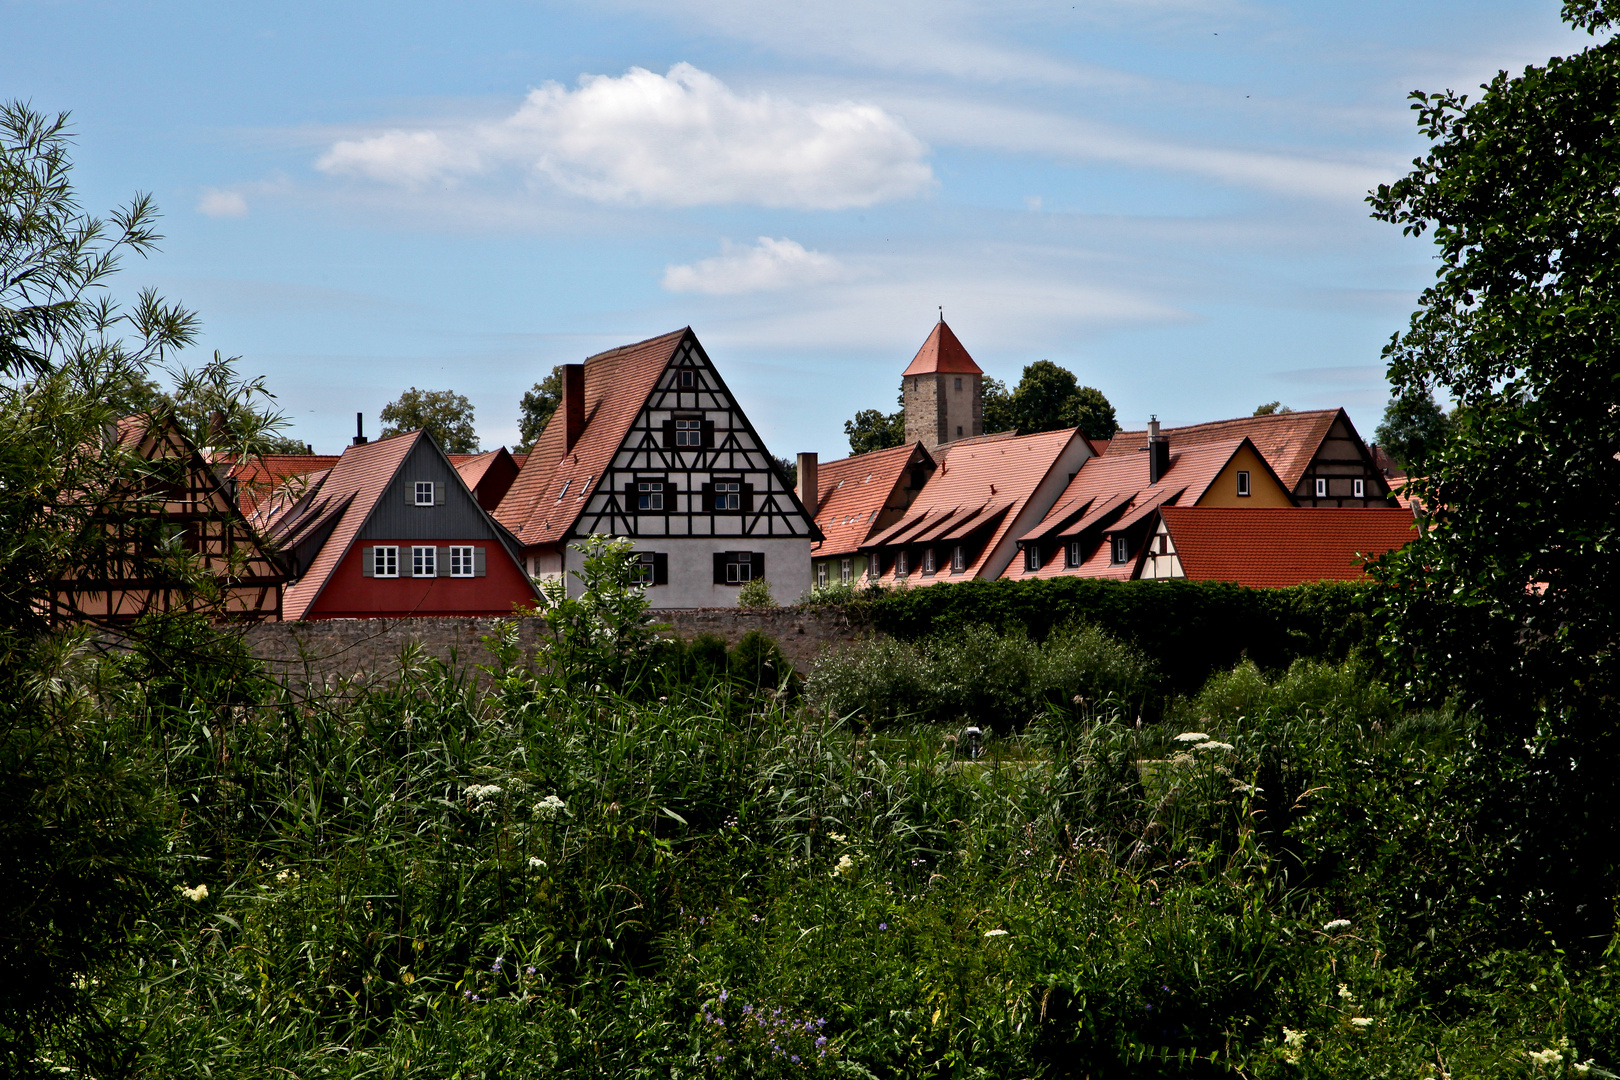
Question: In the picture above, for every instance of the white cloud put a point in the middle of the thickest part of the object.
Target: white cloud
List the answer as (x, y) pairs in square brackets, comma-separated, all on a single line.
[(770, 264), (682, 139), (218, 203)]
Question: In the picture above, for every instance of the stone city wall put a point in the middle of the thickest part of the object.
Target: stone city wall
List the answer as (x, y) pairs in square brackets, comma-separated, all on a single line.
[(370, 650)]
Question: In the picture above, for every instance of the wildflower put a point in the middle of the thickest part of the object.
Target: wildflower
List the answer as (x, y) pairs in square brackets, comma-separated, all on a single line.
[(548, 808), (995, 933), (406, 977), (529, 970), (1344, 992), (1336, 925), (1293, 1045), (1211, 744), (197, 894), (286, 877), (1181, 761), (838, 836), (883, 926), (845, 867), (1545, 1057), (496, 966), (480, 792), (1361, 1021), (1191, 736), (536, 863)]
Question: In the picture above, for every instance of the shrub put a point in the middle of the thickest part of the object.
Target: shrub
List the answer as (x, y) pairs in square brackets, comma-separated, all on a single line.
[(756, 594)]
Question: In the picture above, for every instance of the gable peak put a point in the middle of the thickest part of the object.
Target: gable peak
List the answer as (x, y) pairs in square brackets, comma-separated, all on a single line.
[(942, 353)]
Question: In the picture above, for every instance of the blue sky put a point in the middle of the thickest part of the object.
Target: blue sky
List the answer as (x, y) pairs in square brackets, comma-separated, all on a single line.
[(1164, 196)]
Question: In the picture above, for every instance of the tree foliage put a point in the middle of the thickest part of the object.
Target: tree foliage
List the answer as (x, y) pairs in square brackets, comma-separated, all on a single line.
[(539, 402), (443, 414), (1413, 427), (1509, 601), (1047, 398), (1271, 408), (873, 430)]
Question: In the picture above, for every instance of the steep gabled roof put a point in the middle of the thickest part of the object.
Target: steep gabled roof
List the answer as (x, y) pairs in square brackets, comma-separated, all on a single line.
[(494, 469), (341, 503), (617, 385), (854, 492), (1281, 547), (1288, 441), (942, 354), (257, 478)]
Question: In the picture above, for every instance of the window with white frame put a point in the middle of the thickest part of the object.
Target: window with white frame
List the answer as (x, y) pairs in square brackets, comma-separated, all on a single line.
[(928, 560), (424, 561), (727, 495), (902, 564), (385, 561), (688, 379), (821, 575), (1361, 489), (461, 561), (1032, 557), (739, 567), (958, 559), (649, 495), (846, 570), (1074, 553), (1122, 548), (424, 493), (642, 568), (1243, 482), (689, 433), (1321, 488)]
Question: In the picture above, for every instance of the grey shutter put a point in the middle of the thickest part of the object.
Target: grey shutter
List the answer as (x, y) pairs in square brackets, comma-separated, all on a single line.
[(407, 567), (719, 568), (660, 568), (758, 559), (410, 492), (478, 562), (367, 566), (441, 562), (438, 493)]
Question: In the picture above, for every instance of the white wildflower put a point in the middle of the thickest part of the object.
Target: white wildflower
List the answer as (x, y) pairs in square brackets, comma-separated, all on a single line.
[(1191, 736), (1293, 1045), (1545, 1057), (287, 877), (1344, 992), (1361, 1021), (549, 807), (1211, 744), (1581, 1068), (1336, 925), (1181, 761), (536, 863), (195, 894), (838, 836), (845, 867), (995, 933), (480, 792)]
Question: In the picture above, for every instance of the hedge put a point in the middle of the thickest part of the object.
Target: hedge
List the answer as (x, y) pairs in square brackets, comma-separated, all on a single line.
[(1189, 628)]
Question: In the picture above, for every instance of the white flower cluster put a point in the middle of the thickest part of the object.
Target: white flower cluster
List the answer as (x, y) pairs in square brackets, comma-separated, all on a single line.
[(482, 792), (1211, 744), (845, 867), (195, 894), (995, 933), (548, 808), (1336, 925), (1192, 736), (1293, 1045)]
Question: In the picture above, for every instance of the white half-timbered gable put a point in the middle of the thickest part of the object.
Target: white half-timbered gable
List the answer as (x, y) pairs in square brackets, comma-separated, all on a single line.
[(650, 444)]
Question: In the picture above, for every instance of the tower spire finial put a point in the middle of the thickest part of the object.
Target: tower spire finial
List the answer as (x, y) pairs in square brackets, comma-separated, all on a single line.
[(942, 313)]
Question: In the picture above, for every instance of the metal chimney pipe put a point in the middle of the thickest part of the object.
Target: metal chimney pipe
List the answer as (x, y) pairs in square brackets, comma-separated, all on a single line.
[(360, 429)]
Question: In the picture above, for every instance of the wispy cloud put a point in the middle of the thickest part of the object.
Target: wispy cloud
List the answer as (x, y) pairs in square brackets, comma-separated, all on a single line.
[(218, 203), (681, 139), (768, 265)]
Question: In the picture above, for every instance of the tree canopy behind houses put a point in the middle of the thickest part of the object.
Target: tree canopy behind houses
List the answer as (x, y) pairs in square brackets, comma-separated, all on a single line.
[(444, 414)]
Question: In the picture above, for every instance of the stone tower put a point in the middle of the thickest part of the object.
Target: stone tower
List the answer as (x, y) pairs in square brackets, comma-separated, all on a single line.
[(943, 390)]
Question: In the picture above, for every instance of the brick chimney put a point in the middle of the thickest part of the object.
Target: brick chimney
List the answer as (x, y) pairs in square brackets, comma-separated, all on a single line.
[(573, 404), (808, 483), (1158, 452)]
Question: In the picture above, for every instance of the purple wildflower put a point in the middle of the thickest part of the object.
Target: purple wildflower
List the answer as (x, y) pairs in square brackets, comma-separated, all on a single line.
[(883, 926)]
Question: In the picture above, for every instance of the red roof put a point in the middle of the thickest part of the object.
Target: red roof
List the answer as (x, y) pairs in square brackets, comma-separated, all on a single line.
[(617, 385), (1288, 441), (257, 477), (942, 353), (494, 470), (853, 493), (1280, 547)]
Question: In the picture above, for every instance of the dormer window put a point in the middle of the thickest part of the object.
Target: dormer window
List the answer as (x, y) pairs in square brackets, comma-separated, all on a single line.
[(902, 564), (1122, 548), (958, 559), (424, 493), (928, 560), (1243, 482), (1032, 557), (1073, 554)]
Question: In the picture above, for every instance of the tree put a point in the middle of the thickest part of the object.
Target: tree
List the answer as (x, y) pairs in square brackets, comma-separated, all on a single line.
[(1093, 414), (1049, 398), (997, 407), (872, 430), (1272, 408), (443, 414), (1510, 602), (1413, 427), (541, 400)]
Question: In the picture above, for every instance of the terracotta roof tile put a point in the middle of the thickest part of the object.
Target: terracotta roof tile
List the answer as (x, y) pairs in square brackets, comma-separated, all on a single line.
[(942, 353), (1287, 441), (1280, 547), (617, 385), (853, 493), (256, 478)]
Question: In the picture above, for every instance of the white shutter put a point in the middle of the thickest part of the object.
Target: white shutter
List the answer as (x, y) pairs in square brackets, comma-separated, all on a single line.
[(367, 566), (478, 562)]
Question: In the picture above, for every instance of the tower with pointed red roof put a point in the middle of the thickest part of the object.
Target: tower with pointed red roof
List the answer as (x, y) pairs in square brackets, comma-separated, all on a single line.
[(943, 392)]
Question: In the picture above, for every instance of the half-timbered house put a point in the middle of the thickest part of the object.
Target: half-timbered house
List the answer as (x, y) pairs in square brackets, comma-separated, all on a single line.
[(649, 444), (175, 499)]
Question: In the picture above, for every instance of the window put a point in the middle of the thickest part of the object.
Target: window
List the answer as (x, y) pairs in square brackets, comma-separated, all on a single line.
[(424, 493), (650, 495), (1032, 557), (424, 561), (846, 570), (689, 433), (1361, 489), (461, 562), (1122, 548), (928, 560), (821, 575), (727, 495), (585, 488), (385, 562), (1073, 555), (641, 570), (564, 490), (958, 559), (1243, 482), (958, 431), (902, 564), (688, 380), (959, 384), (738, 567), (1321, 489)]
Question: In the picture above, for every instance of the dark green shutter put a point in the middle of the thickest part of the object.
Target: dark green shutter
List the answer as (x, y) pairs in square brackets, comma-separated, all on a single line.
[(719, 568), (660, 568)]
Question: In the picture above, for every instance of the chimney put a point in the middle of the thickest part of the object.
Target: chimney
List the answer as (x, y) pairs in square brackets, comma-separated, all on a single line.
[(573, 404), (1158, 452), (808, 483), (360, 430)]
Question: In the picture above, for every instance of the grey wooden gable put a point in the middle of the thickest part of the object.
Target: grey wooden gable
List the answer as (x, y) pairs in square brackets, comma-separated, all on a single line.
[(455, 514), (729, 450)]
